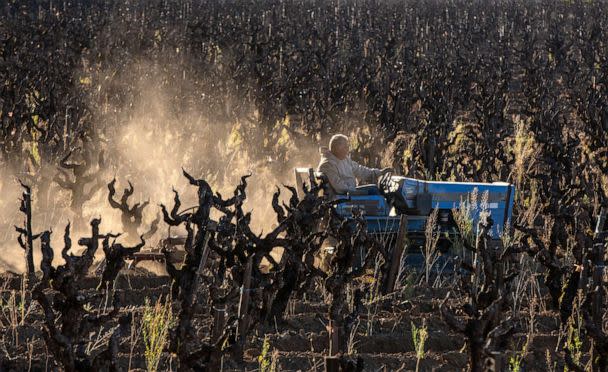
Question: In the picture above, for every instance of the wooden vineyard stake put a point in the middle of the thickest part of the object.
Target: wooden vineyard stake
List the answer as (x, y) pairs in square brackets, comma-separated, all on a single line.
[(332, 364), (243, 317), (219, 321), (205, 254), (334, 338), (391, 278), (332, 361), (244, 301)]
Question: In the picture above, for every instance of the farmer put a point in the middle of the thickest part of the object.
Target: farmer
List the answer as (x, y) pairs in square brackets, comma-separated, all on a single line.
[(342, 172)]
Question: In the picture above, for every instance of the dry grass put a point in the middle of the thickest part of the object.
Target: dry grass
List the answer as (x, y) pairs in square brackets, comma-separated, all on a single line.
[(15, 310), (156, 321), (431, 233)]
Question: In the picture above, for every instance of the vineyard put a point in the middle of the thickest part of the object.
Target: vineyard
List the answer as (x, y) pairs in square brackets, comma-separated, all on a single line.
[(170, 131)]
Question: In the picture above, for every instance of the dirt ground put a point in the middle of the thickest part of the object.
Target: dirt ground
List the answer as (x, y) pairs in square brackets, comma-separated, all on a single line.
[(383, 337)]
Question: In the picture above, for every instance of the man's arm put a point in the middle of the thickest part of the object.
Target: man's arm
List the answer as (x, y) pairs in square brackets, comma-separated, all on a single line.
[(336, 182), (365, 174)]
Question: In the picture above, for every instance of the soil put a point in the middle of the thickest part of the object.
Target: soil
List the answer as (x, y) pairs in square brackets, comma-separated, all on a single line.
[(383, 337)]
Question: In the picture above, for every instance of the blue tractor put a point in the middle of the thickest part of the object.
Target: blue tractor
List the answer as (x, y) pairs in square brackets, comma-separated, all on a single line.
[(398, 208)]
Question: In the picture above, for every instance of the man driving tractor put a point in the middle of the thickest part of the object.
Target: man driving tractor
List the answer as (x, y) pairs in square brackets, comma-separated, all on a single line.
[(342, 172)]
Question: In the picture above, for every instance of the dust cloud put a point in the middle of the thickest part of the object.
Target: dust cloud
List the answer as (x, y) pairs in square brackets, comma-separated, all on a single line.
[(148, 142)]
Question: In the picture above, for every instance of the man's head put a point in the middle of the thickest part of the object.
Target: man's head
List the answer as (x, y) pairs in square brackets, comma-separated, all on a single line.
[(338, 145)]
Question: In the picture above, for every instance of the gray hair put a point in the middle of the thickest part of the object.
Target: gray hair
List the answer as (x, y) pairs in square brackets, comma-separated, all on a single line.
[(336, 139)]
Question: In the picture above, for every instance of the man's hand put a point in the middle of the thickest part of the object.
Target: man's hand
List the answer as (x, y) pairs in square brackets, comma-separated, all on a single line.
[(384, 179)]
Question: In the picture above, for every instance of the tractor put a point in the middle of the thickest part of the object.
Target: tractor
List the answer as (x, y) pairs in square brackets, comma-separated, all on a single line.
[(397, 209)]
